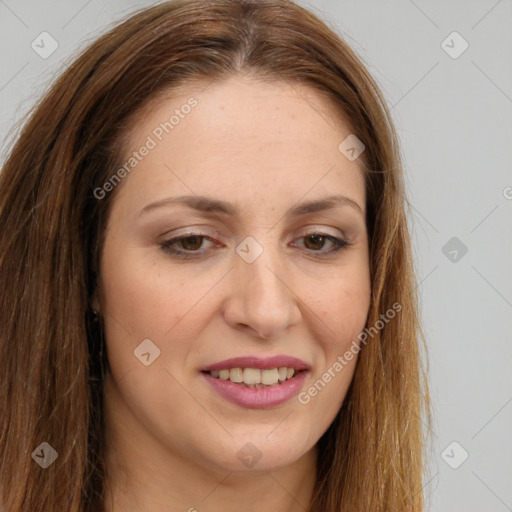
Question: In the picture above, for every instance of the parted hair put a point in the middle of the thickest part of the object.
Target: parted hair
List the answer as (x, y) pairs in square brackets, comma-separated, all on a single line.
[(52, 228)]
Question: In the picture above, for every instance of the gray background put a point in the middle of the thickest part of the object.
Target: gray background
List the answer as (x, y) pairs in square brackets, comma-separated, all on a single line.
[(453, 116)]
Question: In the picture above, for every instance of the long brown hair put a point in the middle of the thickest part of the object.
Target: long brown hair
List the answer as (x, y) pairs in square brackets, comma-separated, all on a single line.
[(51, 234)]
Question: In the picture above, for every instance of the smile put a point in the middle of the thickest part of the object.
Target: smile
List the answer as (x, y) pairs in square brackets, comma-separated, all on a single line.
[(254, 377), (257, 383)]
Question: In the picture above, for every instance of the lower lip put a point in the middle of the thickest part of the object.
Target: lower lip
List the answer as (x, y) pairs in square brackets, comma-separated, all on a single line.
[(258, 398)]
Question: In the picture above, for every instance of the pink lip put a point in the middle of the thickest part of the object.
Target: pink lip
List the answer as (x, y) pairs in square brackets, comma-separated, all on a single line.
[(257, 398), (263, 363)]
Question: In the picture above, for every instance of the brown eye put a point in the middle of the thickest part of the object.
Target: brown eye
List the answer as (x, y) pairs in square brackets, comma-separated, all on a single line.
[(323, 244), (317, 242), (190, 246), (192, 243)]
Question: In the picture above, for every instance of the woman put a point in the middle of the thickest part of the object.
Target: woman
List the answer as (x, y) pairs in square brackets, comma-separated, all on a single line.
[(208, 298)]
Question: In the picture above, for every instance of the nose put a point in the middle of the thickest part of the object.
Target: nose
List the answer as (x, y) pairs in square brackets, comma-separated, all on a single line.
[(261, 299)]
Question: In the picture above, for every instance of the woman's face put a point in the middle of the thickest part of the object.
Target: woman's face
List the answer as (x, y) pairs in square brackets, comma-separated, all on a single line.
[(224, 256)]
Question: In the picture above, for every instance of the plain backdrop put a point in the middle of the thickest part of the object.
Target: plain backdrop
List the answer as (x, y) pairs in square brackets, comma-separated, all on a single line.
[(445, 68)]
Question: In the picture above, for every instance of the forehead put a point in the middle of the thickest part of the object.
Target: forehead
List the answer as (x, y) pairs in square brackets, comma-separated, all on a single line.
[(241, 136)]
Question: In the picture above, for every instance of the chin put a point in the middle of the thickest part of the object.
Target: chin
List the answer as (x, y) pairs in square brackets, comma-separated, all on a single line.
[(257, 452)]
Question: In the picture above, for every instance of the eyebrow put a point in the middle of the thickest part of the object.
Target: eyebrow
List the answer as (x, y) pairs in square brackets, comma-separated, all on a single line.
[(211, 205)]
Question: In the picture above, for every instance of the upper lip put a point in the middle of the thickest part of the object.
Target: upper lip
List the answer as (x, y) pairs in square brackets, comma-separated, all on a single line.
[(263, 363)]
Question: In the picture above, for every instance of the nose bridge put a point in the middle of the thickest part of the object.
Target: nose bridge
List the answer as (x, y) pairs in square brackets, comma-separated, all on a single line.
[(263, 300), (261, 275), (263, 282)]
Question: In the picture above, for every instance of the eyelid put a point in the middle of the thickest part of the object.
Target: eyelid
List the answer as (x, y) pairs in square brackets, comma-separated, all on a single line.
[(198, 231), (190, 231), (214, 232), (324, 231), (327, 231)]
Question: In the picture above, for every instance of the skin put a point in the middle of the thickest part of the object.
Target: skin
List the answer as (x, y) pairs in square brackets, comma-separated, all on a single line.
[(172, 440)]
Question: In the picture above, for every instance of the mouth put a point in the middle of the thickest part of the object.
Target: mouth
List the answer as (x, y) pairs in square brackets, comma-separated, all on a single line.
[(256, 378), (257, 383)]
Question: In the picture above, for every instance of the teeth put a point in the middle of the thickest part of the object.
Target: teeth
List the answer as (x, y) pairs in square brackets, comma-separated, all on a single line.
[(236, 375), (254, 377), (269, 377)]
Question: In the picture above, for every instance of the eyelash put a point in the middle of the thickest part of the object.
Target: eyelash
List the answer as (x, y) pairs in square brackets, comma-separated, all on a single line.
[(166, 246)]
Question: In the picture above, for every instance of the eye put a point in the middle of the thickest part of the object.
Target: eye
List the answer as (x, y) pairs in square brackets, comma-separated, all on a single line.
[(191, 245), (185, 246), (316, 242)]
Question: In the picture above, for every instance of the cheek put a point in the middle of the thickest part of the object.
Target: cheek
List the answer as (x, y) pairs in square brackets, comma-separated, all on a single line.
[(144, 299), (342, 306), (344, 313)]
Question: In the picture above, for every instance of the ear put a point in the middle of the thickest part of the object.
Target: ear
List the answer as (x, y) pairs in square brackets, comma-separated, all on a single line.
[(95, 303)]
